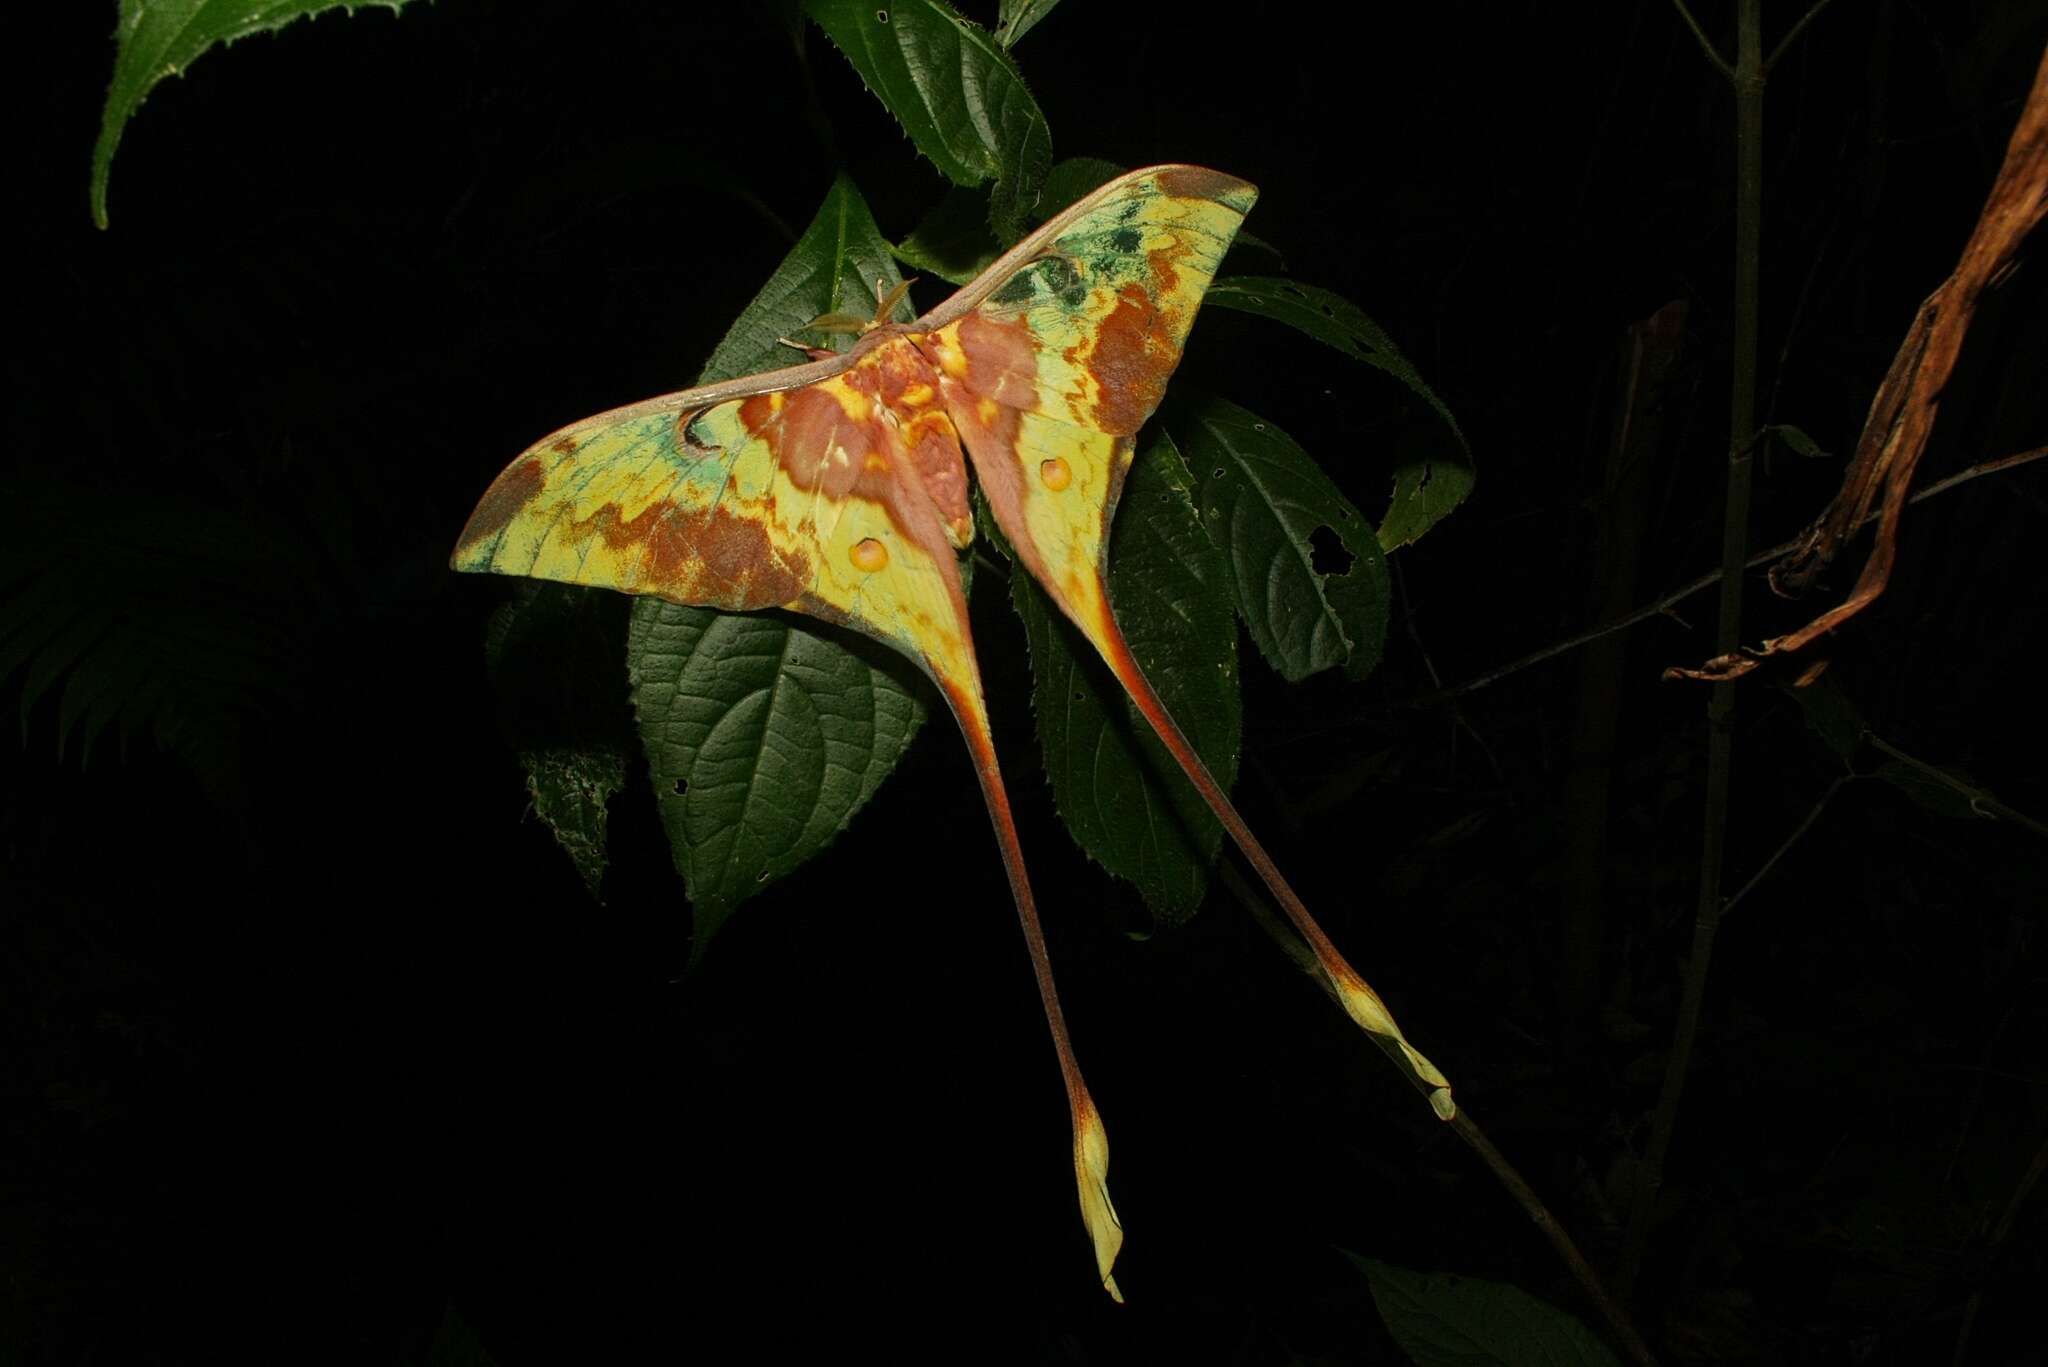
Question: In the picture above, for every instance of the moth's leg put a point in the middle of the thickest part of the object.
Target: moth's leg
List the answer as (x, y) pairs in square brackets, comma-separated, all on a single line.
[(887, 299), (811, 353)]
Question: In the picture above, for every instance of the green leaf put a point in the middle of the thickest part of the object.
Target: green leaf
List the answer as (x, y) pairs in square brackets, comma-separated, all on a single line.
[(1796, 441), (765, 734), (159, 38), (1428, 482), (1121, 794), (1445, 1321), (1831, 717), (764, 738), (1072, 178), (832, 269), (160, 615), (1267, 504), (455, 1344), (955, 91), (1942, 791), (1015, 18), (953, 241), (551, 650)]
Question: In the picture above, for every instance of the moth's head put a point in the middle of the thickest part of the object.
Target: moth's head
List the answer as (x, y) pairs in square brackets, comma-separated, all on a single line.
[(886, 300)]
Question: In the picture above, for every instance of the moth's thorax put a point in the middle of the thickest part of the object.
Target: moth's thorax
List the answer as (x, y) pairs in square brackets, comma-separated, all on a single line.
[(904, 383)]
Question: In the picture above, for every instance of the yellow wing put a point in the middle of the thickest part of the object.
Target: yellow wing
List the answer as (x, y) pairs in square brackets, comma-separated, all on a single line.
[(1054, 359), (802, 498), (1051, 362)]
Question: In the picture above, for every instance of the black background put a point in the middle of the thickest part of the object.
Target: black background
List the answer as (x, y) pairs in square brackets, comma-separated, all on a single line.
[(309, 1042)]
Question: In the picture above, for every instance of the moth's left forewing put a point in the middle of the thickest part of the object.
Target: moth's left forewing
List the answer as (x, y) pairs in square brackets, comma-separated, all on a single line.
[(747, 496), (1054, 359), (675, 503)]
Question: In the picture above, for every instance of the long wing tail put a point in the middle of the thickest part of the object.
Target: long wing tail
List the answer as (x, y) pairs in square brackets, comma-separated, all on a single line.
[(1091, 1141)]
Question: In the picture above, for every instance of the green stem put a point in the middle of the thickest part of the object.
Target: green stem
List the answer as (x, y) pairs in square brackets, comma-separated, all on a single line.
[(1749, 192), (1792, 35), (1706, 45)]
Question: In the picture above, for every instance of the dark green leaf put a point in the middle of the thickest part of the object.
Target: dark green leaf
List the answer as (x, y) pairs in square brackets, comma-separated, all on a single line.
[(161, 616), (455, 1344), (1942, 791), (765, 734), (1831, 717), (1275, 514), (1797, 441), (955, 91), (833, 268), (1121, 794), (1429, 482), (552, 652), (159, 38), (1015, 18), (1445, 1321), (953, 242), (763, 737), (1072, 178)]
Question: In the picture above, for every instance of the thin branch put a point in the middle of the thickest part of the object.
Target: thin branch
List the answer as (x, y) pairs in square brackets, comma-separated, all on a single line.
[(1706, 581), (1706, 45), (1790, 841), (1458, 717), (1792, 35), (1617, 1318), (1468, 1130)]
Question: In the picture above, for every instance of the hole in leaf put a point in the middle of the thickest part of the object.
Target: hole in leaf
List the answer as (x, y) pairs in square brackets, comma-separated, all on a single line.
[(681, 786), (1218, 474), (881, 17), (1327, 555)]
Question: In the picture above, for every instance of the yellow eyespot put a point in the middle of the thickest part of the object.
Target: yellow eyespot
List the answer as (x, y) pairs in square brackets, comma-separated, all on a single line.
[(1055, 474), (870, 555)]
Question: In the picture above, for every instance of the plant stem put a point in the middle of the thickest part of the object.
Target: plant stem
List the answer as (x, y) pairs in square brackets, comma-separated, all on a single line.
[(1617, 1318), (1749, 184), (1706, 45), (1468, 1130), (1792, 35)]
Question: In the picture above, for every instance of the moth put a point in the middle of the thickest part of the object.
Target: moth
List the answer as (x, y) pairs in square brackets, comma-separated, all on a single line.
[(838, 488)]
